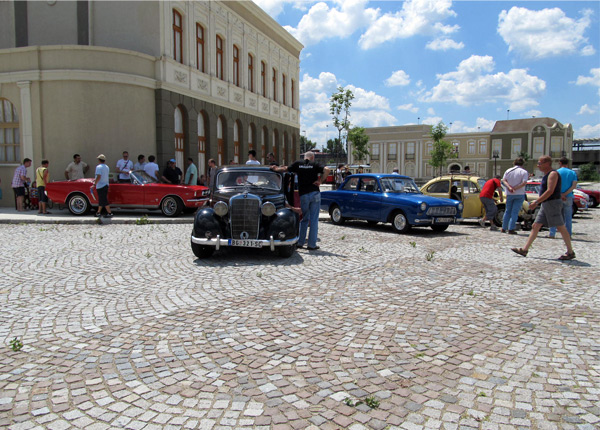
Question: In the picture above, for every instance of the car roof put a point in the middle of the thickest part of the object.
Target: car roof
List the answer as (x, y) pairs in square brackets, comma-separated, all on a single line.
[(379, 175), (457, 176)]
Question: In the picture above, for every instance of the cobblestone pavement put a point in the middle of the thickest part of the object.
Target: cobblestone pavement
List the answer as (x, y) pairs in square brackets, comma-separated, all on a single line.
[(123, 328)]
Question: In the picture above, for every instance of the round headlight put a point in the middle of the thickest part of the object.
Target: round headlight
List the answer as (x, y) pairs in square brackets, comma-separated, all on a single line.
[(423, 207), (268, 209), (221, 208), (460, 206)]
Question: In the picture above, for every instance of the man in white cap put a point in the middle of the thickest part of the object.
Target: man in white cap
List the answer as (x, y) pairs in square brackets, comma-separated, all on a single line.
[(101, 186)]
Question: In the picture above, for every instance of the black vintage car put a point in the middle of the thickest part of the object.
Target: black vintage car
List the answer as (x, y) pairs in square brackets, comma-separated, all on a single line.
[(247, 209)]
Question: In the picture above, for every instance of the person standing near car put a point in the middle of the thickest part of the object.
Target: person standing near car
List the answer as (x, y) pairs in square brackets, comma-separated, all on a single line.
[(172, 174), (191, 173), (18, 183), (550, 214), (140, 163), (310, 176), (487, 200), (252, 157), (568, 180), (76, 169), (101, 186), (41, 178), (339, 177), (151, 168), (212, 172), (124, 166), (514, 180)]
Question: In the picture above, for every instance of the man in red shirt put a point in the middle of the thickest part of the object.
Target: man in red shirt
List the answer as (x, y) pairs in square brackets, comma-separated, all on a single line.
[(487, 200)]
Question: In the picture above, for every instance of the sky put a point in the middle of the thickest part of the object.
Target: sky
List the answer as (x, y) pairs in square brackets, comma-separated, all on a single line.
[(466, 63)]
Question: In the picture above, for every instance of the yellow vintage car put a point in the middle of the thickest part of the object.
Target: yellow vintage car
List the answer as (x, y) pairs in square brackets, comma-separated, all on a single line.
[(466, 188)]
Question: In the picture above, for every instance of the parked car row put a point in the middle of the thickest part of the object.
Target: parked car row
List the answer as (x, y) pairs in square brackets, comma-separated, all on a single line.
[(581, 200)]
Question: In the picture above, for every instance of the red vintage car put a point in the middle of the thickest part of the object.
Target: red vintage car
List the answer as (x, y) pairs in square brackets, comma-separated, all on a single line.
[(142, 192), (593, 194), (579, 198)]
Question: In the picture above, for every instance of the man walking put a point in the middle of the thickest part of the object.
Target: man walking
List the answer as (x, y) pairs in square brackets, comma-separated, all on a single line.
[(568, 180), (550, 213), (101, 186), (18, 183), (191, 173), (308, 172), (514, 180), (487, 199), (76, 169)]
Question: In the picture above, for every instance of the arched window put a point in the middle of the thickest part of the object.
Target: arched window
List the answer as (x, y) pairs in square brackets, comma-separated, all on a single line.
[(251, 137), (219, 70), (274, 84), (263, 144), (220, 141), (236, 142), (250, 73), (236, 66), (201, 145), (284, 88), (293, 94), (177, 37), (179, 137), (10, 142), (200, 60)]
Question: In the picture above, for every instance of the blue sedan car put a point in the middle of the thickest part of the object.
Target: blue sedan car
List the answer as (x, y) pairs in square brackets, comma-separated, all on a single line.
[(386, 198)]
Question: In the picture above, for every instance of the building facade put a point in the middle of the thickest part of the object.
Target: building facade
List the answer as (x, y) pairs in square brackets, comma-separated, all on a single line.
[(408, 148), (177, 79)]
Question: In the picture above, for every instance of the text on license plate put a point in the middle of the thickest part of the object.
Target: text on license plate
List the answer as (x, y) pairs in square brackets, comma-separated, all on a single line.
[(245, 242), (444, 220)]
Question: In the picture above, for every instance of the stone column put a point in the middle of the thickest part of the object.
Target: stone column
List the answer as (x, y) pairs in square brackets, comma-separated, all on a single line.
[(26, 121)]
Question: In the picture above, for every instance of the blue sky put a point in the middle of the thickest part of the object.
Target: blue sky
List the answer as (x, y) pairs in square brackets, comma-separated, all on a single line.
[(461, 62)]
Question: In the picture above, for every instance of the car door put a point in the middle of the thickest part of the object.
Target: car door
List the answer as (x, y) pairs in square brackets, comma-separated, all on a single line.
[(472, 204), (367, 202), (439, 188), (126, 194), (347, 195)]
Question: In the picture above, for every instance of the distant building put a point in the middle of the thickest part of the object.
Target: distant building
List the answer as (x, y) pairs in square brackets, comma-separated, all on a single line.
[(178, 79), (586, 151), (485, 153)]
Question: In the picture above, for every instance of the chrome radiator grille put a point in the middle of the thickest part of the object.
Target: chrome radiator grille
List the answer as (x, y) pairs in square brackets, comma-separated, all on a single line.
[(244, 216), (441, 211)]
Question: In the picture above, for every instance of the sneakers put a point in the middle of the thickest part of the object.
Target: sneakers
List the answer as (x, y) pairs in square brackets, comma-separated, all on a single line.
[(299, 246), (567, 256), (97, 214), (493, 228), (110, 215), (482, 222), (312, 248), (512, 232), (521, 251)]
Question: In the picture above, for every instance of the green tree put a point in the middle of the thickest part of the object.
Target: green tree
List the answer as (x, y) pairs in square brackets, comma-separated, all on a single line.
[(587, 172), (524, 155), (306, 144), (360, 142), (335, 148), (339, 108), (442, 150)]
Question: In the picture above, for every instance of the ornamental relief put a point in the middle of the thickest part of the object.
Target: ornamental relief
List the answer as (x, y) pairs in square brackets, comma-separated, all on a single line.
[(202, 85), (265, 107), (252, 103), (221, 91), (237, 97), (285, 114), (294, 116), (180, 76), (275, 111)]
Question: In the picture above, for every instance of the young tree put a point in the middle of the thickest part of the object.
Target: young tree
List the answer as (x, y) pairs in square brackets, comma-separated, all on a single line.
[(306, 144), (335, 148), (442, 150), (339, 108), (360, 142)]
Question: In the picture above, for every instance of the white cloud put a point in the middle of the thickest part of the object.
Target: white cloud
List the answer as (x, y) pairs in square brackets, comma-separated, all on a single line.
[(588, 131), (544, 33), (585, 109), (399, 78), (417, 17), (534, 112), (322, 22), (275, 7), (368, 109), (432, 120), (473, 84), (594, 79), (588, 51), (431, 111), (444, 44), (409, 107)]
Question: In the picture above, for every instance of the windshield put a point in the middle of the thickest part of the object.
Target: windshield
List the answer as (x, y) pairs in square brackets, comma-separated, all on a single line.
[(141, 177), (481, 182), (239, 178), (399, 185), (532, 188)]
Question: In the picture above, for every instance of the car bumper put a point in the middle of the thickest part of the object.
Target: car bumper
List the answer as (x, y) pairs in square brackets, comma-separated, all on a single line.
[(196, 203), (219, 242), (434, 221)]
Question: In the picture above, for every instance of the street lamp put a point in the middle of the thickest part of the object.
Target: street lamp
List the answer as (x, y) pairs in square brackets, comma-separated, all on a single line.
[(495, 156)]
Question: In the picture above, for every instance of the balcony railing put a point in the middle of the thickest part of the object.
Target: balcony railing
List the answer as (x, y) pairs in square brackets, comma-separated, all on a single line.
[(391, 156), (409, 156)]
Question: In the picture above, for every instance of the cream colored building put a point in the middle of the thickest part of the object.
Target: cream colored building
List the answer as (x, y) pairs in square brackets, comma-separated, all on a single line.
[(408, 148), (177, 79)]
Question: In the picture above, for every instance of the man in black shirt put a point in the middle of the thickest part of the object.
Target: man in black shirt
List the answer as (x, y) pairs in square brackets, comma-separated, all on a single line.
[(172, 174), (310, 176)]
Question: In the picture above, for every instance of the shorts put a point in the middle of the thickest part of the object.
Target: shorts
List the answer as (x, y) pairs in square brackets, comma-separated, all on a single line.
[(42, 194), (19, 191), (490, 207), (102, 196), (551, 213)]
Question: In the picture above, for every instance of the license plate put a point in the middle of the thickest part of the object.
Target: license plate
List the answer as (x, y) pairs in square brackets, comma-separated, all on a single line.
[(245, 243), (444, 220)]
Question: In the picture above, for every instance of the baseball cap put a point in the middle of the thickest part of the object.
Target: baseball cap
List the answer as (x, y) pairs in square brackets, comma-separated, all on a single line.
[(172, 160), (101, 157)]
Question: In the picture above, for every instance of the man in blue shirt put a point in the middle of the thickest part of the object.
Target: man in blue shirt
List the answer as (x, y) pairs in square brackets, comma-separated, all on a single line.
[(101, 185), (568, 180)]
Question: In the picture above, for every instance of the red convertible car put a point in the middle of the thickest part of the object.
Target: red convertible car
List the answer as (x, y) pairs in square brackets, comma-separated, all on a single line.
[(594, 196), (142, 192)]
